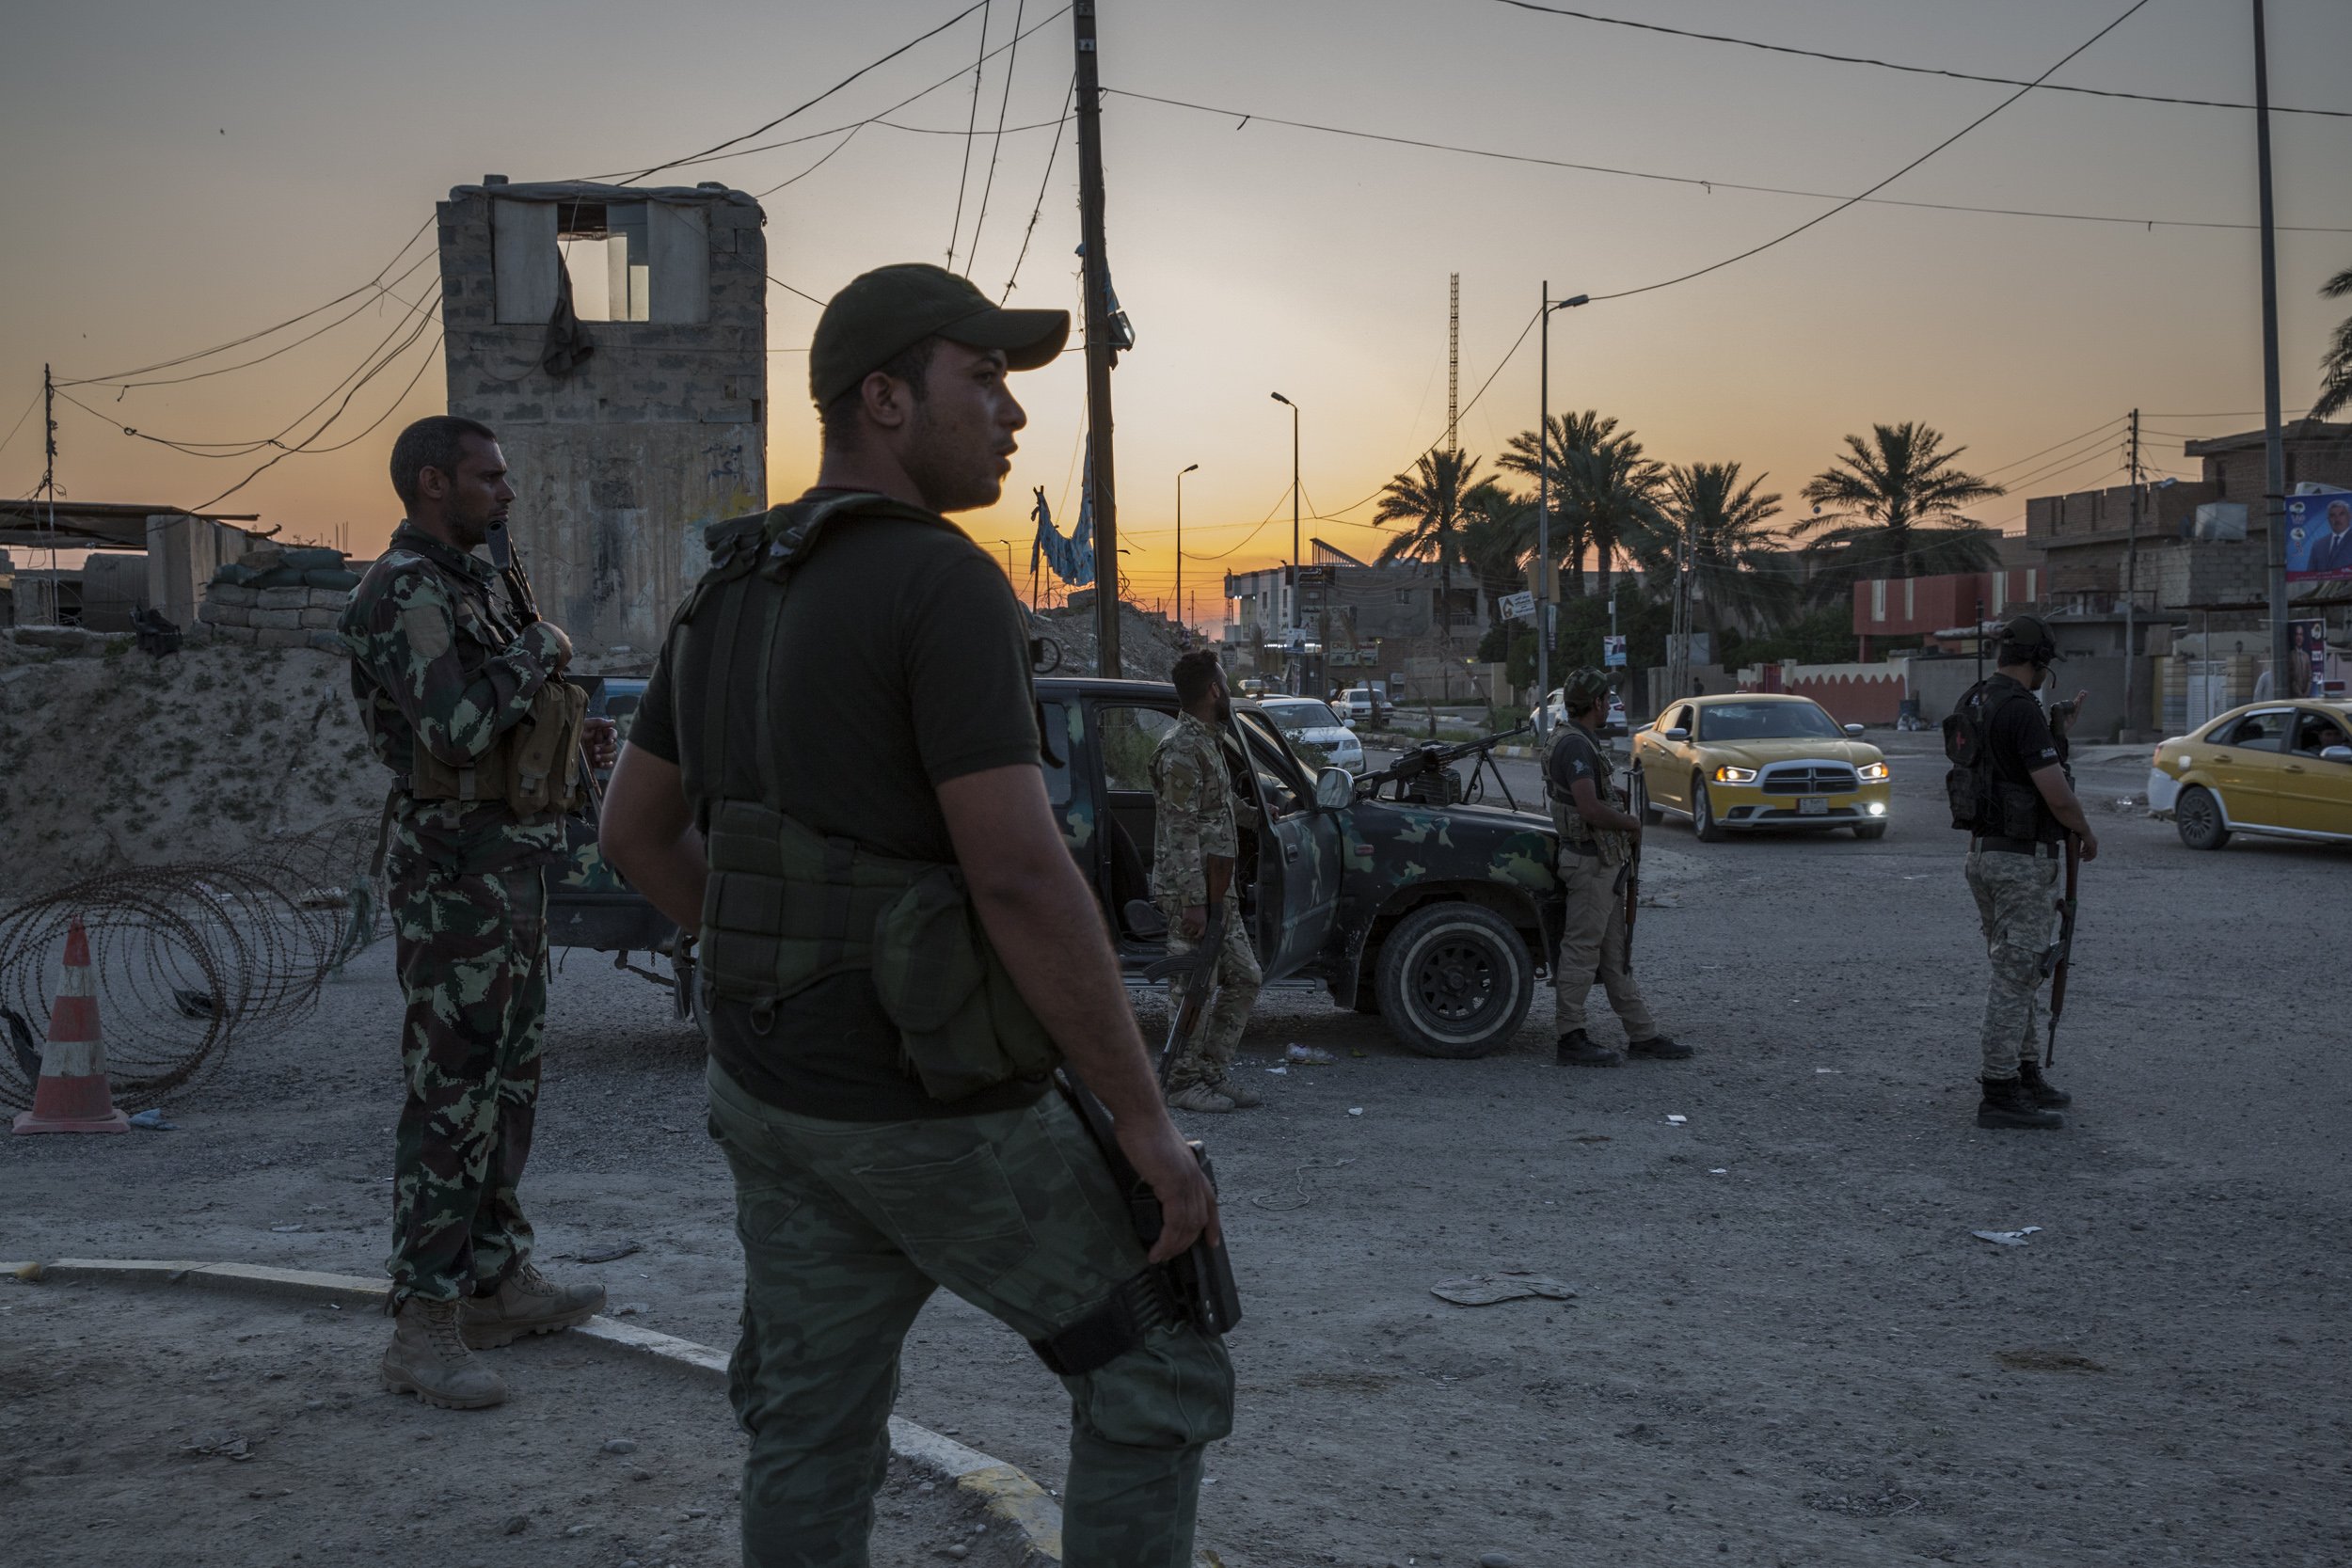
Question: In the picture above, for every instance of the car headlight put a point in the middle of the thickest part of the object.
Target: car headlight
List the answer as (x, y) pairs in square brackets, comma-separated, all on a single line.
[(1873, 772), (1728, 774)]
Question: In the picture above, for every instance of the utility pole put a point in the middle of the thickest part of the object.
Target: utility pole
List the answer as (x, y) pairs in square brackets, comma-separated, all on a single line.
[(1543, 499), (2274, 447), (1180, 537), (1100, 349), (55, 607), (2131, 594), (1291, 620)]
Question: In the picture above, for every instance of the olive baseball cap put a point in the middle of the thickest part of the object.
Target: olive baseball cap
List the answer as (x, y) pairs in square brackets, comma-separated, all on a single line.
[(1582, 688), (890, 309)]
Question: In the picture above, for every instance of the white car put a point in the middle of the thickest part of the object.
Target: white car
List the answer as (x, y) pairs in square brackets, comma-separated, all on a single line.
[(1320, 735), (1556, 714), (1361, 703)]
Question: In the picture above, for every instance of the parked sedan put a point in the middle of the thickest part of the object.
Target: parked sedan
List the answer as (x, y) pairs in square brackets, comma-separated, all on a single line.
[(1755, 760), (1317, 733), (2280, 768), (1556, 713)]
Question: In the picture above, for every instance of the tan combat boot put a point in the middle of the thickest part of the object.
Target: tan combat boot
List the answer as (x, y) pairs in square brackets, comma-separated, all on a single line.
[(428, 1358), (527, 1302)]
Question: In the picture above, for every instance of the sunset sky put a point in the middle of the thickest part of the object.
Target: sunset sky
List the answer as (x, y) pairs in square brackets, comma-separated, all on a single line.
[(187, 174)]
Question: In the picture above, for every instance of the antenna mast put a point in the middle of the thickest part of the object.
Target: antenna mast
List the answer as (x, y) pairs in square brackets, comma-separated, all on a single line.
[(1453, 362)]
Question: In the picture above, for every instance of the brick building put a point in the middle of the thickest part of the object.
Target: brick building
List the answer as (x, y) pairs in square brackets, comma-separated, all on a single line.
[(615, 338)]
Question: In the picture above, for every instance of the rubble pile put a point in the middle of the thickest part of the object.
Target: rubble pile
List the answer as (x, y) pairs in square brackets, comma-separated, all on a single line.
[(1148, 645), (279, 597)]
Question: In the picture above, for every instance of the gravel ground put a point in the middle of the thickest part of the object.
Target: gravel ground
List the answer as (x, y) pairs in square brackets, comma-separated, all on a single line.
[(1785, 1346)]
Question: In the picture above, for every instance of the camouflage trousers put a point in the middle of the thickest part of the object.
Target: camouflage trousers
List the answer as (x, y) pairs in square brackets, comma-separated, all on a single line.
[(1208, 1055), (1592, 948), (2016, 902), (473, 954), (848, 1228)]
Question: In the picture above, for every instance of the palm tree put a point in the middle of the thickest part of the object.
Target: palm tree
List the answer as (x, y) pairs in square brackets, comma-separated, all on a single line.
[(1498, 534), (1604, 493), (1742, 574), (1429, 502), (1895, 503), (1523, 457), (2335, 366)]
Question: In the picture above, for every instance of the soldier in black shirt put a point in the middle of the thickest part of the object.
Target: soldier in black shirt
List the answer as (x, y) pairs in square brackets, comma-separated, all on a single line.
[(2014, 871)]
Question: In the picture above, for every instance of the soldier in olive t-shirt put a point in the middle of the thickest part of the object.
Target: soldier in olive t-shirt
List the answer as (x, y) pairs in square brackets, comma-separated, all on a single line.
[(913, 669)]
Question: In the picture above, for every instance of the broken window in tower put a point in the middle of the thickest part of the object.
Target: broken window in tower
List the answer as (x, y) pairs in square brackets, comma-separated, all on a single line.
[(624, 261)]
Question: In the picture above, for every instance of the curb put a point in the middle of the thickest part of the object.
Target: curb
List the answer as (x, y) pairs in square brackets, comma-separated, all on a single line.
[(1012, 1500)]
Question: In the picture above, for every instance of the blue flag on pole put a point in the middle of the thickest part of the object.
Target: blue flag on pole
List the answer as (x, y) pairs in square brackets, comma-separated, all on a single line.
[(1072, 559)]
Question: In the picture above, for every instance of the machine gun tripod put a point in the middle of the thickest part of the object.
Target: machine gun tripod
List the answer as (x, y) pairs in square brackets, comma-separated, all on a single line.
[(1425, 776)]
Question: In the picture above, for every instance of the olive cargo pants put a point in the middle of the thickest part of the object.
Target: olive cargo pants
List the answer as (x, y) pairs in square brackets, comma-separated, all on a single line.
[(472, 955), (848, 1226), (1216, 1040), (1592, 948), (2016, 900)]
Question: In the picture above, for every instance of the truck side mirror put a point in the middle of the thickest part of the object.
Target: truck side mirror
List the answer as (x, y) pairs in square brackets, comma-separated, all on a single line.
[(1334, 788)]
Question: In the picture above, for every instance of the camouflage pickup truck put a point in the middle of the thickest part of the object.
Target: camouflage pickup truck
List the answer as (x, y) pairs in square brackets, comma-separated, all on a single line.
[(1439, 918)]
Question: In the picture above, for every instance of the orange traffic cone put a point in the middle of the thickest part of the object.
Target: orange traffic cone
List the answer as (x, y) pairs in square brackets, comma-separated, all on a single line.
[(73, 1095)]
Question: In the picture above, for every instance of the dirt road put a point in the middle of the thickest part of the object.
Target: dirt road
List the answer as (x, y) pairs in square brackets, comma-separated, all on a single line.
[(1786, 1347)]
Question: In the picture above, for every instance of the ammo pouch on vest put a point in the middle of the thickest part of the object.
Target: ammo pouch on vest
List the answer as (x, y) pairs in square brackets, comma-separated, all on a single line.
[(786, 908), (529, 766)]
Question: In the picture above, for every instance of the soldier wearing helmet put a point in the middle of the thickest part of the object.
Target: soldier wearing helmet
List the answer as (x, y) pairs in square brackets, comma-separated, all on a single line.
[(2024, 810), (1596, 836)]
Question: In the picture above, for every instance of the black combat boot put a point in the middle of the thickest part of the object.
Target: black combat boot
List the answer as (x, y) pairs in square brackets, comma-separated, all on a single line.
[(1578, 1050), (1659, 1048), (2040, 1089), (2005, 1103)]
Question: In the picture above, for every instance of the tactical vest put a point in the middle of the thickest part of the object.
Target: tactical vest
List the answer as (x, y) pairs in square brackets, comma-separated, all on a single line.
[(1982, 802), (533, 766), (1576, 834), (785, 906)]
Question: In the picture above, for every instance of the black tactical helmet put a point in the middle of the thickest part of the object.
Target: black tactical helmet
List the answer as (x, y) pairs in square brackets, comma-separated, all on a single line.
[(1584, 689), (2027, 639)]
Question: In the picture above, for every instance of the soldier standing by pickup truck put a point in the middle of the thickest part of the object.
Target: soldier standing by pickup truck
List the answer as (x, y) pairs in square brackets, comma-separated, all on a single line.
[(466, 711), (1594, 831), (1193, 826)]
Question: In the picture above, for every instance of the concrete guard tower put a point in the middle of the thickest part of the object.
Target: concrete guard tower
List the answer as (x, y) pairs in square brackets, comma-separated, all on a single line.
[(617, 340)]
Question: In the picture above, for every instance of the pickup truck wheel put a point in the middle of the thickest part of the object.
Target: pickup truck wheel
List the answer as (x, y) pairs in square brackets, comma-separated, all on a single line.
[(2198, 816), (1454, 980), (1703, 821)]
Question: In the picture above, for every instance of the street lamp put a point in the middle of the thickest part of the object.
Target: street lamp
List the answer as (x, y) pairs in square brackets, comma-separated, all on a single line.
[(1543, 498), (1180, 539), (1292, 615)]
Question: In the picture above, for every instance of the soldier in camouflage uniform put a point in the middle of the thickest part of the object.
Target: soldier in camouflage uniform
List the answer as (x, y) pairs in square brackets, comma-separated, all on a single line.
[(2013, 876), (1194, 823), (1596, 834), (443, 677)]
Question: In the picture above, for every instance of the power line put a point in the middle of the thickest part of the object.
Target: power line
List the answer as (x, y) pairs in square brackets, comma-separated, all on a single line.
[(1043, 184), (762, 130), (1245, 116), (20, 421), (971, 256), (119, 376), (1823, 218), (963, 176), (1894, 65), (2094, 430), (762, 196), (326, 424), (790, 289), (955, 75)]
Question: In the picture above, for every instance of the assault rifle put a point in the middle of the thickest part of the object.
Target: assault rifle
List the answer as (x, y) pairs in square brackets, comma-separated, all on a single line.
[(1636, 798), (2056, 962), (1425, 776), (526, 606)]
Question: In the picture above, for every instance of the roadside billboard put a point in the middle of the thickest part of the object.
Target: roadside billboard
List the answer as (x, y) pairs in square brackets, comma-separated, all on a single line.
[(2319, 535)]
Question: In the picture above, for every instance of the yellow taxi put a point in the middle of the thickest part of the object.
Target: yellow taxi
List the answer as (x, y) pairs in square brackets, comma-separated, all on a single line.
[(1761, 760), (2282, 768)]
